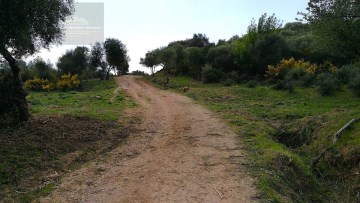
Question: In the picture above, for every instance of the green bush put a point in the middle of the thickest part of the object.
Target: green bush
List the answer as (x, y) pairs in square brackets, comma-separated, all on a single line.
[(251, 84), (279, 85), (211, 75), (347, 72), (234, 76), (228, 82), (290, 86), (138, 72), (327, 83), (354, 84), (298, 77), (243, 78)]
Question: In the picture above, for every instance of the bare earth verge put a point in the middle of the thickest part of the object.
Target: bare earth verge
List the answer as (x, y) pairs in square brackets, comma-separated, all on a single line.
[(180, 153)]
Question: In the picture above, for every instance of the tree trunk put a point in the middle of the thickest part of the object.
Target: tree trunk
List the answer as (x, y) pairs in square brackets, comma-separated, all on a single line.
[(107, 77), (21, 102)]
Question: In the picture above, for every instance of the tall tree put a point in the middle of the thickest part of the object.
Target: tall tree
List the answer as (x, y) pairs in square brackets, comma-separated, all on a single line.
[(41, 69), (74, 61), (27, 26), (97, 54), (116, 56), (97, 59), (167, 58), (151, 60), (337, 23), (196, 59), (199, 40)]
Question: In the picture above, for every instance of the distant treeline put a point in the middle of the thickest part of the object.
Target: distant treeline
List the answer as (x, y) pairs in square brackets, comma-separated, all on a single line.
[(314, 50), (100, 61)]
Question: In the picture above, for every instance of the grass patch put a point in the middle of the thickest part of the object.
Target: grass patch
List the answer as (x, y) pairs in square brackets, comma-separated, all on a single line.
[(67, 129), (284, 132), (96, 99)]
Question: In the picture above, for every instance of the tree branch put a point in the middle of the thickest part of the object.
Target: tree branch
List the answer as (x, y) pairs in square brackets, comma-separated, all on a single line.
[(11, 60)]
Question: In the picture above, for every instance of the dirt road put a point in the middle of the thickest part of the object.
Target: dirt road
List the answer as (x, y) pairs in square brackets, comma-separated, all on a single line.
[(181, 153)]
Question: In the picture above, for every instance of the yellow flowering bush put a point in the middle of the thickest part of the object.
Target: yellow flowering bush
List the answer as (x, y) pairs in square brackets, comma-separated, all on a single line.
[(68, 82), (38, 84), (281, 69)]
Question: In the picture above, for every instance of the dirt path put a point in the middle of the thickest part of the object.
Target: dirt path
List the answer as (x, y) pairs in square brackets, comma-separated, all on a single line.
[(181, 153)]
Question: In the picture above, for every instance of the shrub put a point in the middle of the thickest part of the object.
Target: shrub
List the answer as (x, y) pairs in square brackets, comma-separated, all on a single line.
[(347, 72), (38, 84), (138, 72), (228, 82), (327, 83), (354, 84), (279, 71), (211, 75), (279, 85), (251, 84), (299, 77), (68, 82), (234, 76), (289, 86), (326, 67)]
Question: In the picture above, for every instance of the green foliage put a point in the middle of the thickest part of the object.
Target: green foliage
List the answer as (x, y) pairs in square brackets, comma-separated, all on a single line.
[(234, 76), (336, 22), (268, 49), (28, 26), (228, 82), (151, 60), (196, 60), (138, 72), (221, 57), (354, 84), (97, 62), (347, 72), (211, 75), (251, 84), (265, 24), (262, 45), (74, 61), (116, 55), (167, 58), (299, 76), (327, 83), (40, 69)]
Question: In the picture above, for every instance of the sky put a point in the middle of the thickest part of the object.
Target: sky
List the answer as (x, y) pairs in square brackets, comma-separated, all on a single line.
[(144, 25)]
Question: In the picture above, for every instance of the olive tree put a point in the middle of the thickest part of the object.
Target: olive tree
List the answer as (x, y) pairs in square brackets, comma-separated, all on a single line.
[(27, 26), (116, 56)]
